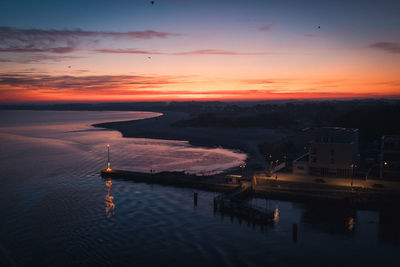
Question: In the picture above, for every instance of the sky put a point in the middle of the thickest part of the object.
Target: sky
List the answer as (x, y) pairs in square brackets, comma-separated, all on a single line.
[(180, 50)]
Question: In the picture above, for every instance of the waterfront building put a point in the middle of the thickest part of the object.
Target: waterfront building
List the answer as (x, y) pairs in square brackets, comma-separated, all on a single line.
[(390, 157), (332, 151)]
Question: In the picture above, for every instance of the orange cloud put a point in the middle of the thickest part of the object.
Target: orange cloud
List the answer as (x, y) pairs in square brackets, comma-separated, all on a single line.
[(31, 87)]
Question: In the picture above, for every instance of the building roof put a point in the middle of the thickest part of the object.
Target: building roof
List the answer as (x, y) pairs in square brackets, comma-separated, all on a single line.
[(332, 135), (391, 137)]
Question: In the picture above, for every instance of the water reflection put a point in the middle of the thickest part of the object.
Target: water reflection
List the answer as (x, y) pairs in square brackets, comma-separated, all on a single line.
[(389, 230), (110, 206), (351, 223), (329, 218), (276, 214), (254, 211)]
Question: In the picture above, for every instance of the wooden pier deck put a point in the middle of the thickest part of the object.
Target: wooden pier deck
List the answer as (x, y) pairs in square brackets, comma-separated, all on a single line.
[(234, 203), (178, 179), (233, 200)]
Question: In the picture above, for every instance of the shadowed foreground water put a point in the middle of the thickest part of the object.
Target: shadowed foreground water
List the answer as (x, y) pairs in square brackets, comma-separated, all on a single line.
[(56, 210)]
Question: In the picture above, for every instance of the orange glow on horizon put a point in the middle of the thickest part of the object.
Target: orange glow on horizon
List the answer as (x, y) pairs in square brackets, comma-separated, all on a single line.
[(166, 88), (245, 96)]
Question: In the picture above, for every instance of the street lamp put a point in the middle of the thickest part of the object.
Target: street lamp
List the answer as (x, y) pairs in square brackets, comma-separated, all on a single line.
[(352, 176), (108, 158)]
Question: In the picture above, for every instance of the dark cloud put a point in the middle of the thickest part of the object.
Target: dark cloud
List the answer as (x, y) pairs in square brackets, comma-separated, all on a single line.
[(266, 28), (13, 40), (310, 35), (36, 58), (388, 47), (195, 52), (259, 81), (84, 83), (58, 50), (63, 41), (219, 52), (128, 51)]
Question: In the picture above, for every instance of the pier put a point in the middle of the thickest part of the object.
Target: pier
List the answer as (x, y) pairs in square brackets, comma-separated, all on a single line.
[(234, 203), (264, 188), (179, 179), (232, 200)]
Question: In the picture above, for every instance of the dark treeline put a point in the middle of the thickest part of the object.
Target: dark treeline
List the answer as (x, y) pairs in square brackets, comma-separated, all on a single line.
[(373, 118)]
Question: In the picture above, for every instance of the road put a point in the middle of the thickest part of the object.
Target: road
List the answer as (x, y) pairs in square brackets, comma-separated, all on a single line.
[(346, 182)]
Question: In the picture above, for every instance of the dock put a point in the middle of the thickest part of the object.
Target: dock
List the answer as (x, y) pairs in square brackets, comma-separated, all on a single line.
[(234, 203), (213, 183), (232, 200)]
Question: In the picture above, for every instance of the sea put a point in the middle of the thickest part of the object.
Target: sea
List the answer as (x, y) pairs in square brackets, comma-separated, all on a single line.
[(57, 210)]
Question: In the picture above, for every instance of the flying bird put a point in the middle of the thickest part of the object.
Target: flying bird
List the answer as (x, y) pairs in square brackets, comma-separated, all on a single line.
[(319, 27), (69, 67), (152, 2), (149, 57)]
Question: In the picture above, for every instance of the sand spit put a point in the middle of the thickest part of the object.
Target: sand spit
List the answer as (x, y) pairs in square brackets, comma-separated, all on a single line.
[(243, 139)]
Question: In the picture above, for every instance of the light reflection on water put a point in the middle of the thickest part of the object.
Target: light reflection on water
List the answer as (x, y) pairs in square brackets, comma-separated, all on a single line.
[(110, 206), (276, 214), (351, 223), (57, 210)]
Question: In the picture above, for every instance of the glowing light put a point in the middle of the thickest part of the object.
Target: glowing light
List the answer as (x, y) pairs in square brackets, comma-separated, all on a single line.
[(276, 214), (110, 206), (350, 224), (108, 159)]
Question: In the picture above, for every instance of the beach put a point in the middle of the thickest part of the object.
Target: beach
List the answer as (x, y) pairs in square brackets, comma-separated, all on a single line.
[(245, 140)]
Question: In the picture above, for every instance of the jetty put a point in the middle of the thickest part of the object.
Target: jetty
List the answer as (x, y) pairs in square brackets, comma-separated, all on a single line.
[(179, 179), (235, 203), (232, 200), (236, 190)]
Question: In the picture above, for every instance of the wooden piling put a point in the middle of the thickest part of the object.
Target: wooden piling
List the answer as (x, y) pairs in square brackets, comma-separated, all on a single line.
[(195, 198), (294, 233)]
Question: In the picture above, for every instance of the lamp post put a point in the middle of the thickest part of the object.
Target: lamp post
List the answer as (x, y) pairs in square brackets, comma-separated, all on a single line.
[(108, 158), (352, 176), (370, 169)]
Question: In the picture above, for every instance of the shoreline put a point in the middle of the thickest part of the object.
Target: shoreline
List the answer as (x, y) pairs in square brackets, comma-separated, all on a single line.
[(240, 140), (160, 128)]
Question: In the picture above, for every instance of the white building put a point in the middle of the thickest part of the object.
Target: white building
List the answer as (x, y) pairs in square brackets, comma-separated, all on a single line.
[(333, 151)]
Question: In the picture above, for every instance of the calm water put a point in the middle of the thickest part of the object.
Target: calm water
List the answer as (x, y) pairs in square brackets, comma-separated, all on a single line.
[(57, 211)]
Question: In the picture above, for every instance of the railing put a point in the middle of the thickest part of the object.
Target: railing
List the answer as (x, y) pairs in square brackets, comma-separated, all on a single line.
[(235, 203)]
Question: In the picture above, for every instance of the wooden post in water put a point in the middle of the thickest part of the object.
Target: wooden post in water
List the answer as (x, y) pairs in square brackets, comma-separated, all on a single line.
[(195, 198), (294, 233)]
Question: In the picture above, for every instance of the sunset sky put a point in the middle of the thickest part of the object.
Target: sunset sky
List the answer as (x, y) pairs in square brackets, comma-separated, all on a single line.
[(113, 50)]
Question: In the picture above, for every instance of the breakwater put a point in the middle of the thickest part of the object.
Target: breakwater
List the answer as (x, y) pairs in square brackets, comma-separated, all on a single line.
[(280, 190)]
